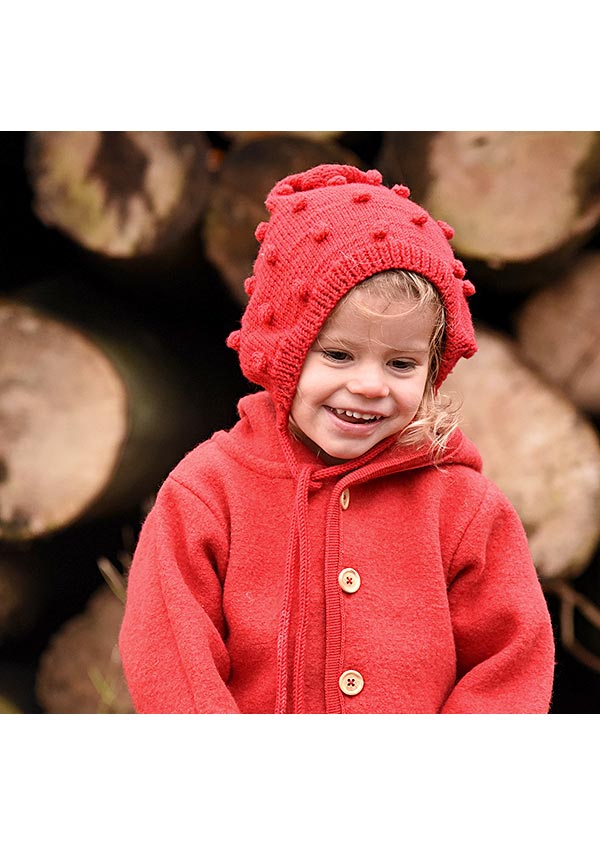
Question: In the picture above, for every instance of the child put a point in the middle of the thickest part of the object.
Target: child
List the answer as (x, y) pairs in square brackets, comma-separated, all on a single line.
[(339, 549)]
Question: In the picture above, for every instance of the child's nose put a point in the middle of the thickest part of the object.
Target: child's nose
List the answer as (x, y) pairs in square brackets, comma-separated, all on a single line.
[(368, 381)]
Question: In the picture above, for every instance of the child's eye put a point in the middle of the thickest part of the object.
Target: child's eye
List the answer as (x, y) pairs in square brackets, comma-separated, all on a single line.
[(334, 355), (403, 365)]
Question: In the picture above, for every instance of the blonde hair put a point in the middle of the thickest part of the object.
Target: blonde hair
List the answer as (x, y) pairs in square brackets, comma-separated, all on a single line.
[(437, 416)]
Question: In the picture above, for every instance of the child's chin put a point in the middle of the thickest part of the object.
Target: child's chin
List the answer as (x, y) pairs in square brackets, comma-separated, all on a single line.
[(334, 460), (337, 456)]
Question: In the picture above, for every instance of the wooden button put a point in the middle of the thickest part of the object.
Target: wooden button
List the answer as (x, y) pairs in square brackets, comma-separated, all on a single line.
[(351, 682), (349, 580), (345, 499)]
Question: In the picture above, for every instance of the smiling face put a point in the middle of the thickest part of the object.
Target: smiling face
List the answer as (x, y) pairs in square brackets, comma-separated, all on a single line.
[(364, 376)]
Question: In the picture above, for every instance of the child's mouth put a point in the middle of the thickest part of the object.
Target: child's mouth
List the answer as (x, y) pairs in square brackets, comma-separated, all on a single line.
[(354, 416)]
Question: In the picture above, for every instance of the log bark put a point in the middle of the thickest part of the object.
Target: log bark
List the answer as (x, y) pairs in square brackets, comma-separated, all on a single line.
[(558, 330), (520, 202), (247, 174), (122, 194), (8, 706), (579, 616), (94, 410), (241, 137), (537, 448), (80, 672), (22, 592), (17, 694)]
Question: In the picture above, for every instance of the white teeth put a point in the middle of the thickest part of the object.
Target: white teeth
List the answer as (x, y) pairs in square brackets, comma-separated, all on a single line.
[(356, 414)]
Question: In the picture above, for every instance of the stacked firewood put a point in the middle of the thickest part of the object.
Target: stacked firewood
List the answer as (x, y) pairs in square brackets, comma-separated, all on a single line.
[(123, 275)]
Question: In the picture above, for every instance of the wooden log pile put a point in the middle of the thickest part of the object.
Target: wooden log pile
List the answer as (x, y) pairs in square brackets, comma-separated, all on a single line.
[(118, 287)]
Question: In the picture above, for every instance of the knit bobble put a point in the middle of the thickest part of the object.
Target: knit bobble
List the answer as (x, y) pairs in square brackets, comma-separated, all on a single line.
[(233, 340), (260, 362), (458, 269), (420, 219), (271, 255), (249, 285), (446, 229), (321, 232), (261, 231), (468, 288), (362, 197), (285, 190), (266, 314), (303, 290), (401, 190), (337, 180), (299, 205), (379, 233), (374, 177)]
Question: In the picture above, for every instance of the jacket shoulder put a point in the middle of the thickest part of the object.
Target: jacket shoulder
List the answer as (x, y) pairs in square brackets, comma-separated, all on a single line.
[(205, 466), (457, 477), (465, 494)]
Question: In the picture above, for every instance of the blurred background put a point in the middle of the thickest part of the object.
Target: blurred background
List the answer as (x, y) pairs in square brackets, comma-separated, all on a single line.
[(123, 257)]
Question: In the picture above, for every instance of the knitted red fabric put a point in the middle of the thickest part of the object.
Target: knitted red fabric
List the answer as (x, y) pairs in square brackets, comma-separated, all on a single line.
[(331, 227)]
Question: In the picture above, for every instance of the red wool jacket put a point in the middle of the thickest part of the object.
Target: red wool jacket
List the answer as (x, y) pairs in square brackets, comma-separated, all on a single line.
[(236, 602)]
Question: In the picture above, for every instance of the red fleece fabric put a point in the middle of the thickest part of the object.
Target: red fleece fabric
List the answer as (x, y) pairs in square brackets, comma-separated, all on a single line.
[(449, 617)]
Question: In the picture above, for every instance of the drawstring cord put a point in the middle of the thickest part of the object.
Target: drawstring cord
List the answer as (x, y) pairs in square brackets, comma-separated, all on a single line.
[(284, 623), (283, 634), (297, 540), (304, 546), (298, 545)]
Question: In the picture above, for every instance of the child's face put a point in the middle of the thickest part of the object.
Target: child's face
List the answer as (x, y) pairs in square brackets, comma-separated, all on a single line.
[(374, 368)]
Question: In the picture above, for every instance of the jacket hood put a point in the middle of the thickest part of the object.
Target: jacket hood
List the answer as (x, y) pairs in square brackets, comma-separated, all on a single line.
[(257, 431)]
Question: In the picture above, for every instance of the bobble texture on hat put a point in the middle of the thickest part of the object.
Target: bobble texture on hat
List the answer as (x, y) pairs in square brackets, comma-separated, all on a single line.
[(330, 228)]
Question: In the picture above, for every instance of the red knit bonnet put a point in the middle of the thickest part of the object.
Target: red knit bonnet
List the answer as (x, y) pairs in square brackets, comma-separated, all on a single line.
[(331, 227)]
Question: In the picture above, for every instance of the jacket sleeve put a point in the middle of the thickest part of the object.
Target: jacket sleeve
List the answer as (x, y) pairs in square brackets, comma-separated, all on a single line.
[(502, 629), (172, 636)]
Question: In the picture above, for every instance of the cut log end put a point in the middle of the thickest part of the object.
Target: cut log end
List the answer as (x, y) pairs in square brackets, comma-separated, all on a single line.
[(80, 672), (559, 332), (538, 449), (122, 194), (497, 188), (63, 422), (248, 173)]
